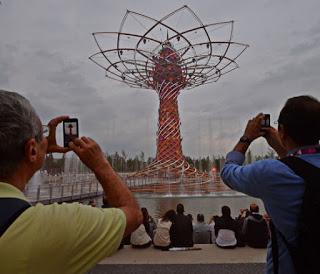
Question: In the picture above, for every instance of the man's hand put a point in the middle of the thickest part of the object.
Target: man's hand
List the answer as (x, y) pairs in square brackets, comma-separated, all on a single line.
[(52, 142), (89, 153), (253, 129), (273, 139)]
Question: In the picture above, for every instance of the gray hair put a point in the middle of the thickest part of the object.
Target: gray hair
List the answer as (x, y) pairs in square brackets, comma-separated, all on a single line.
[(18, 123)]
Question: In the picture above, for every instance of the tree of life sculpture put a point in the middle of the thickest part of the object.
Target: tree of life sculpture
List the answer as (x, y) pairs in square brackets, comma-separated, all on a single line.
[(175, 53)]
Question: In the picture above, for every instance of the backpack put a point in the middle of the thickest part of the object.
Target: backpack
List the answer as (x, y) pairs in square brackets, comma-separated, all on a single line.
[(305, 255), (257, 233)]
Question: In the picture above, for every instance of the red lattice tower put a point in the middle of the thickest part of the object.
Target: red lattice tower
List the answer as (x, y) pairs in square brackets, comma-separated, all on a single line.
[(163, 56)]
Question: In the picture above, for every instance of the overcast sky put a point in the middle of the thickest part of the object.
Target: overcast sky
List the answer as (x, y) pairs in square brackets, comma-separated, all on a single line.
[(45, 45)]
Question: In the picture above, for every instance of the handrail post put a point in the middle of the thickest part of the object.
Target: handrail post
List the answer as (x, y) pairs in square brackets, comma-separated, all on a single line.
[(81, 190), (50, 193), (72, 188), (61, 194), (38, 194)]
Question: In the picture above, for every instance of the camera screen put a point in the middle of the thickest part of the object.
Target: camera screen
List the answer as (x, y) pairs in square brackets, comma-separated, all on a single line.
[(70, 131), (266, 121), (71, 128)]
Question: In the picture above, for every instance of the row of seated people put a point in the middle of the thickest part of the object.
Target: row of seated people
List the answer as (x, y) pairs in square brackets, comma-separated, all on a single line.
[(175, 229)]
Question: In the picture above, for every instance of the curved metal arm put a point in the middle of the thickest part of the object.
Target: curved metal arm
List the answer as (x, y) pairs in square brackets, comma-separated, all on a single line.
[(137, 69)]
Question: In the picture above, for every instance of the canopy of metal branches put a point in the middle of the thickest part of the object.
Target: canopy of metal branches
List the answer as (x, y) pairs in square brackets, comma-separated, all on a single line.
[(203, 52), (175, 53)]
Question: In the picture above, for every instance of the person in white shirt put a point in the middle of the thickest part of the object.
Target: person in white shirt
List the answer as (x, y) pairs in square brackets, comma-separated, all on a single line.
[(161, 237), (226, 229), (140, 237)]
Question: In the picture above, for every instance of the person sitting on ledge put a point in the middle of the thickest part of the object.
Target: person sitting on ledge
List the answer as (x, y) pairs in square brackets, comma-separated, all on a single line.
[(148, 222), (181, 232), (201, 231), (226, 229), (161, 237), (66, 238), (279, 187), (140, 238), (255, 229)]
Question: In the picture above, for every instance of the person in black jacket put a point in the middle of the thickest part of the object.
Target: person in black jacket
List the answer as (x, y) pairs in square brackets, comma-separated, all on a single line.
[(255, 229), (181, 232)]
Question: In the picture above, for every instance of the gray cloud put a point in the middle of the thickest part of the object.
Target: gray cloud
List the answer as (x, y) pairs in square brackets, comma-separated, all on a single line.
[(44, 53)]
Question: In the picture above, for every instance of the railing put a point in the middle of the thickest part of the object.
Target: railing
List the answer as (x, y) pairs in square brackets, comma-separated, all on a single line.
[(51, 193), (76, 187), (183, 185)]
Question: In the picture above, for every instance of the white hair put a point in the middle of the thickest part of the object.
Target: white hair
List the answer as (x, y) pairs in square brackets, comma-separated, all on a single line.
[(18, 123)]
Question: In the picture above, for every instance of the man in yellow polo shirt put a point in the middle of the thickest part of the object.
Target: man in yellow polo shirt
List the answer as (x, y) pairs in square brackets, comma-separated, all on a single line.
[(67, 238)]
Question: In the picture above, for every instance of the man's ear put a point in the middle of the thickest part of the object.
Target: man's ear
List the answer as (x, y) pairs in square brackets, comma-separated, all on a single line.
[(286, 140), (31, 150), (281, 132)]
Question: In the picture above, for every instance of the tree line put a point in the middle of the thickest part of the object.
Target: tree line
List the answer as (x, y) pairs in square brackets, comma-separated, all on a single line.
[(121, 162)]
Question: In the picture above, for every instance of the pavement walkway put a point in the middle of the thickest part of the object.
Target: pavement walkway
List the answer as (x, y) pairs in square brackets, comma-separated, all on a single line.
[(210, 259)]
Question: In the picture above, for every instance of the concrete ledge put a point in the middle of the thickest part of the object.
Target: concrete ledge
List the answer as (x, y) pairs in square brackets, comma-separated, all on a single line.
[(183, 269), (210, 259)]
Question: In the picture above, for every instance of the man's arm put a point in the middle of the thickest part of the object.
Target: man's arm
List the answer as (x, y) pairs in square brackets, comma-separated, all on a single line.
[(118, 194), (254, 131), (247, 179), (236, 176), (273, 139)]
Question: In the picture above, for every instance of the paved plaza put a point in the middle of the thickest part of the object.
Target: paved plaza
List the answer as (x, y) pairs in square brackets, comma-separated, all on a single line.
[(210, 259)]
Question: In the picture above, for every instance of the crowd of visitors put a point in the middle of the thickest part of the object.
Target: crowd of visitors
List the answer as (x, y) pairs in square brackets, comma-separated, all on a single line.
[(175, 229), (83, 235)]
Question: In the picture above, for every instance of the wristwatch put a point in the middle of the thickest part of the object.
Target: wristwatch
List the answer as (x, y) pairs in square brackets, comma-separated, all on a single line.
[(245, 139)]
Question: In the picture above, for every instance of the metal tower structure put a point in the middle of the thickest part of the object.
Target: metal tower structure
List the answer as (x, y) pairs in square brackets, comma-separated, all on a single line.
[(170, 55)]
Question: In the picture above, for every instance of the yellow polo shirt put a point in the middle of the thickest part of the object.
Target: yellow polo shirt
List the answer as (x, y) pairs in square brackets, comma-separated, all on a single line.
[(57, 239)]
